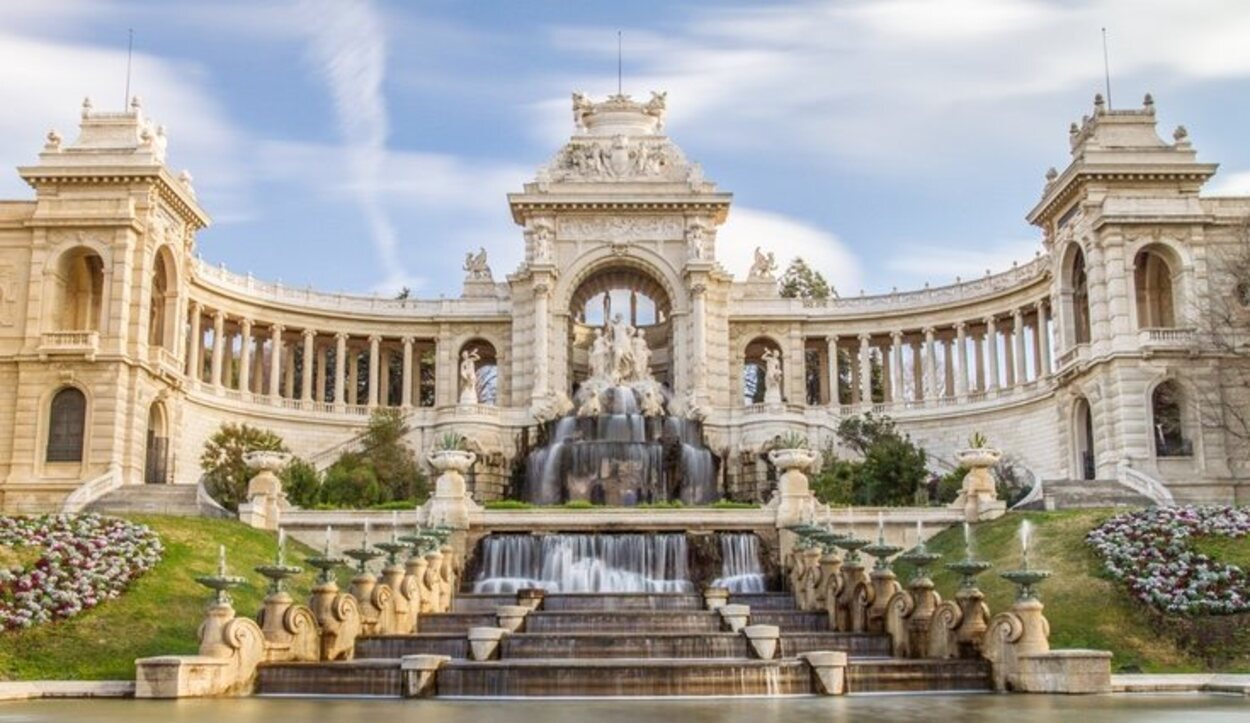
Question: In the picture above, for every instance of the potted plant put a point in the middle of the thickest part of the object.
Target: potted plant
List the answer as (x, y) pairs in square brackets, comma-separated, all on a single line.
[(978, 454), (790, 452), (451, 454), (978, 488)]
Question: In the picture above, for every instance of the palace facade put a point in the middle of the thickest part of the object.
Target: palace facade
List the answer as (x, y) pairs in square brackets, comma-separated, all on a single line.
[(121, 351)]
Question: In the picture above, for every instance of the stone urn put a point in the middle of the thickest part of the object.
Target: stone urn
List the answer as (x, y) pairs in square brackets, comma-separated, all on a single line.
[(265, 498), (794, 496), (978, 489), (451, 503)]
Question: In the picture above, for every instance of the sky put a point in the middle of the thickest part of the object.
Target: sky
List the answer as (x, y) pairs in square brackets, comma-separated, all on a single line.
[(366, 146)]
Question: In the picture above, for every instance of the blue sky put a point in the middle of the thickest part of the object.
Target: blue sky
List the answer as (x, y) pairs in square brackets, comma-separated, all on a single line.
[(361, 146)]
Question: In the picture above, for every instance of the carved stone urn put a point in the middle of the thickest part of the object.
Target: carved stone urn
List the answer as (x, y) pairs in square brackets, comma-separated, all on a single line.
[(978, 489), (794, 495), (265, 498), (451, 502)]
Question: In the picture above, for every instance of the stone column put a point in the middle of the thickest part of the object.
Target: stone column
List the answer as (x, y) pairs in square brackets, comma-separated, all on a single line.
[(930, 363), (275, 360), (340, 368), (991, 353), (896, 368), (306, 374), (831, 345), (194, 370), (540, 340), (1043, 341), (865, 369), (245, 356), (219, 346), (961, 354), (405, 385), (698, 294), (375, 342), (1017, 342)]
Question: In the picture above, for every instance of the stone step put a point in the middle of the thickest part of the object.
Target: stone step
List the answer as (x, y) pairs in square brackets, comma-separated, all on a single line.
[(630, 621), (620, 601), (1086, 494), (917, 676), (178, 500)]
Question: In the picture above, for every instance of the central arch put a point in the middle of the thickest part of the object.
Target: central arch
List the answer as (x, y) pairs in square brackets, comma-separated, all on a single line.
[(634, 295)]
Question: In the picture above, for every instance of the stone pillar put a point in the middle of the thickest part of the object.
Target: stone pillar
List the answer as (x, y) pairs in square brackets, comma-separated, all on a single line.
[(219, 346), (340, 368), (1017, 340), (961, 354), (245, 356), (194, 370), (865, 369), (540, 340), (375, 342), (275, 360), (1043, 340), (991, 353), (698, 294), (831, 345), (896, 367), (310, 360), (930, 363), (405, 385)]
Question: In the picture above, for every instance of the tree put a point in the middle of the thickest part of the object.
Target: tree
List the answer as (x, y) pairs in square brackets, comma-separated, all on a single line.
[(892, 467), (1223, 316), (801, 281), (392, 461), (225, 473)]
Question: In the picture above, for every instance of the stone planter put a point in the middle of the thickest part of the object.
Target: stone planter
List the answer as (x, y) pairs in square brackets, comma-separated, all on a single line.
[(794, 495), (979, 457), (457, 461), (266, 461), (450, 503), (978, 492), (265, 498)]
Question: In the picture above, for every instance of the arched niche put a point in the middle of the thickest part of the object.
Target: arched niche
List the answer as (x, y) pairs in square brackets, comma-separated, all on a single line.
[(484, 358), (163, 300), (630, 294), (1156, 275), (755, 368), (156, 457), (77, 291)]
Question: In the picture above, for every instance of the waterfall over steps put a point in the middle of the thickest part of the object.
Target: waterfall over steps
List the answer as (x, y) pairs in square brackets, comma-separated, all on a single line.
[(611, 563)]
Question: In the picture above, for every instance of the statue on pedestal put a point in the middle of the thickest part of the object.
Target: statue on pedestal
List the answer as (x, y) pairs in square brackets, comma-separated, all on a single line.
[(772, 376), (468, 376), (622, 350)]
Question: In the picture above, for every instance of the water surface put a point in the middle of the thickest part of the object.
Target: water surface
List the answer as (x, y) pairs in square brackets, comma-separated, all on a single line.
[(1182, 707)]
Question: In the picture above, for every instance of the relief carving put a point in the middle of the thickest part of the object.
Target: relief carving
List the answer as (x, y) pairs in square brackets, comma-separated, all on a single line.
[(622, 228)]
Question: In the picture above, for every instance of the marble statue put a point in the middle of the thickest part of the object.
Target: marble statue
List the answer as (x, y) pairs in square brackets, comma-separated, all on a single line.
[(468, 376), (642, 356), (763, 266), (696, 242), (475, 266), (600, 356), (622, 350), (657, 107), (582, 107), (772, 376)]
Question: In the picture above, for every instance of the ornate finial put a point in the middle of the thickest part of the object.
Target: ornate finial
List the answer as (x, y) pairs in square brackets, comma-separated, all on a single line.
[(54, 141), (1051, 174), (185, 178), (1148, 103), (136, 103), (86, 107), (1073, 129), (1181, 134), (1100, 103)]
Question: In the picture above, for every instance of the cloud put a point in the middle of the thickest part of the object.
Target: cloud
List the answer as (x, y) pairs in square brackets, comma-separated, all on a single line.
[(1236, 183), (347, 46), (919, 264), (787, 238)]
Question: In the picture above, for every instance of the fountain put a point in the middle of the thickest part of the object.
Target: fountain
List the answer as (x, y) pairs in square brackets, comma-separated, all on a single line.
[(222, 582), (620, 445)]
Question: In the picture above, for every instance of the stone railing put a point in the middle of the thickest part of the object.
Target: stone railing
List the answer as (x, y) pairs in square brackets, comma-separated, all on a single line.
[(1167, 337), (165, 359), (1144, 485), (958, 292), (67, 343), (1071, 355), (248, 287), (90, 491)]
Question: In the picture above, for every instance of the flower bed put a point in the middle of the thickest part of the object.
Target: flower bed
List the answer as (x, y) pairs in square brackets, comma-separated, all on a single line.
[(84, 560), (1150, 551)]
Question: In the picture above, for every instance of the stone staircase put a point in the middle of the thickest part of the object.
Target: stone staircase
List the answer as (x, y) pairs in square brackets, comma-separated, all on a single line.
[(592, 645), (177, 500), (1072, 494)]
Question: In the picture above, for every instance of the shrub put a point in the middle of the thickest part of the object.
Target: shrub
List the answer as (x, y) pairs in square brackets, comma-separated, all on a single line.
[(1010, 482), (950, 484), (391, 459), (733, 505), (225, 474), (892, 468), (507, 505), (302, 483), (349, 482), (835, 481)]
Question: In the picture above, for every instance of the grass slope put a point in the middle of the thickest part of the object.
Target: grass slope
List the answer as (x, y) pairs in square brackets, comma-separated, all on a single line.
[(160, 613), (1086, 609)]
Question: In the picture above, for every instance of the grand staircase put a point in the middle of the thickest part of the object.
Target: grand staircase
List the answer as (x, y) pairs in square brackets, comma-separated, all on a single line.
[(178, 500), (591, 645), (1070, 494)]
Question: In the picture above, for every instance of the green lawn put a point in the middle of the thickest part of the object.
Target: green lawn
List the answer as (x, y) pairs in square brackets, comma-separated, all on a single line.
[(1085, 608), (160, 613), (1226, 549)]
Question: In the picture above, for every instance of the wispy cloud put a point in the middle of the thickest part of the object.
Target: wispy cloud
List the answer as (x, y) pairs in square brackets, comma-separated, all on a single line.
[(347, 46), (787, 238)]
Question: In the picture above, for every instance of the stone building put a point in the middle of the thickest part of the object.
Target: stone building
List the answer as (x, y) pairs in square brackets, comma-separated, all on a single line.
[(121, 351)]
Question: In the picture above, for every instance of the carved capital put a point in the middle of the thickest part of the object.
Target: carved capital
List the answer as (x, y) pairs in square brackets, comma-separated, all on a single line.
[(341, 337), (698, 290), (374, 340), (309, 333), (896, 336), (277, 330), (864, 337)]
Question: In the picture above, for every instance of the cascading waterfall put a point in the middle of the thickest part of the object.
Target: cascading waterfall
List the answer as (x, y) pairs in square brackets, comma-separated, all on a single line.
[(647, 563), (740, 563)]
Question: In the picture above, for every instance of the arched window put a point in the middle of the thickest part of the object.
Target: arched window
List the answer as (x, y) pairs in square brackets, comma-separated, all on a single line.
[(1152, 279), (1086, 459), (79, 287), (1167, 411), (761, 355), (1080, 298), (162, 303), (67, 420)]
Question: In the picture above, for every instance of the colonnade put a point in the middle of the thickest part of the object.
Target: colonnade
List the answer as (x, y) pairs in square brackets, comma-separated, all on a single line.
[(333, 369), (964, 360)]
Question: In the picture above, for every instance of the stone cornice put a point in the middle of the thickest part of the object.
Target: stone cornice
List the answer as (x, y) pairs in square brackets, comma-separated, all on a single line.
[(715, 205), (1076, 176), (170, 189)]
